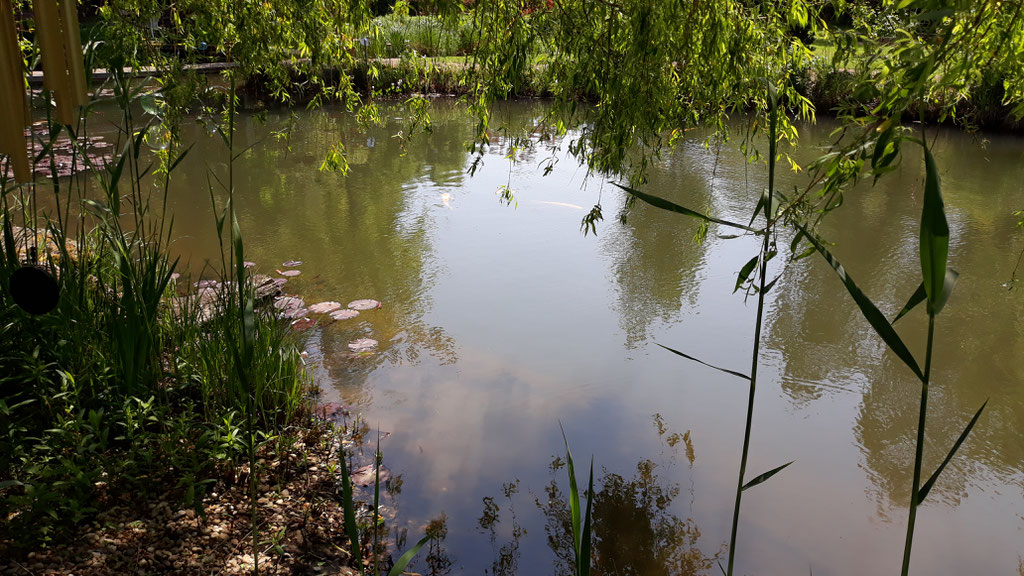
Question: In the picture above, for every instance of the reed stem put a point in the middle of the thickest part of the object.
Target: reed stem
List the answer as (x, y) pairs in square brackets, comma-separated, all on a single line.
[(919, 451)]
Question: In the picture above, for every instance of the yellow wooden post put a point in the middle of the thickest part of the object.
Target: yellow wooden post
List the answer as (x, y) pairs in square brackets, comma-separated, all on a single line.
[(13, 104), (72, 37), (51, 48)]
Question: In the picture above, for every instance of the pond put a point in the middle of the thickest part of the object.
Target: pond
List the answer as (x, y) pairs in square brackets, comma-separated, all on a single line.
[(500, 322)]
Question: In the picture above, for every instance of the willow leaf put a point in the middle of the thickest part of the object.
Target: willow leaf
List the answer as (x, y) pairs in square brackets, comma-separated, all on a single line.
[(745, 272)]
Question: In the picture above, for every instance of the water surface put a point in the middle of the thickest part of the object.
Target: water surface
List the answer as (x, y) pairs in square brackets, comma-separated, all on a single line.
[(500, 322)]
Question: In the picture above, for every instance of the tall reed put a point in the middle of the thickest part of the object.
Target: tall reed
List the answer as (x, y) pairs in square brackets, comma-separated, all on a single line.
[(769, 205)]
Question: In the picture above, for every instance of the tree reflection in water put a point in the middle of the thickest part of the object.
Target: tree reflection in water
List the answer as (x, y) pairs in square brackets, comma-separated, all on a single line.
[(635, 531)]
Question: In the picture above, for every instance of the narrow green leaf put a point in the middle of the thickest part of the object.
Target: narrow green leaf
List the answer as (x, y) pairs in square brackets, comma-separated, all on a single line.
[(180, 157), (699, 361), (880, 145), (920, 296), (923, 492), (672, 207), (947, 287), (583, 563), (796, 241), (764, 477), (404, 559), (916, 298), (871, 312), (934, 236), (745, 272), (574, 495), (348, 508), (757, 209)]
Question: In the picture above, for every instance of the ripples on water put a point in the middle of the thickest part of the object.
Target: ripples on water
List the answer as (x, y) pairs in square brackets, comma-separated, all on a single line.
[(499, 322)]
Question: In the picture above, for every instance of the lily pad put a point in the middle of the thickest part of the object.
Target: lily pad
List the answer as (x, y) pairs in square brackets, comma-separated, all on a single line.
[(289, 273), (303, 324), (324, 307), (344, 314), (367, 475), (366, 304), (362, 344), (289, 303), (292, 263), (294, 313)]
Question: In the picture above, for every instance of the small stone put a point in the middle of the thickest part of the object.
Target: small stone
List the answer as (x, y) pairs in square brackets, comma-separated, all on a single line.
[(364, 304)]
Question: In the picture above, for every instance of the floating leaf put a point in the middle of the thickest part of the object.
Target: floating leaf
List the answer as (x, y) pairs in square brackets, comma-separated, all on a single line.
[(366, 304), (344, 314), (365, 476), (362, 344), (288, 273), (324, 307), (289, 303), (294, 313), (292, 263), (303, 324)]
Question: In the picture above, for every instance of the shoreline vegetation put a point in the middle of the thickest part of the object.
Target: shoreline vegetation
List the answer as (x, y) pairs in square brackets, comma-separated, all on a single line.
[(201, 414)]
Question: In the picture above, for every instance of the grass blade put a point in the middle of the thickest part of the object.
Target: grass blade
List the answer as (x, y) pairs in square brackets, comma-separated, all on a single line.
[(583, 563), (349, 509), (574, 495), (871, 312), (956, 446), (404, 560), (764, 477), (688, 357), (672, 207), (934, 236)]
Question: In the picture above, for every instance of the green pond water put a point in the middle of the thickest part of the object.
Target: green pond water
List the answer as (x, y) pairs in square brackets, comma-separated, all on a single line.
[(500, 322)]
